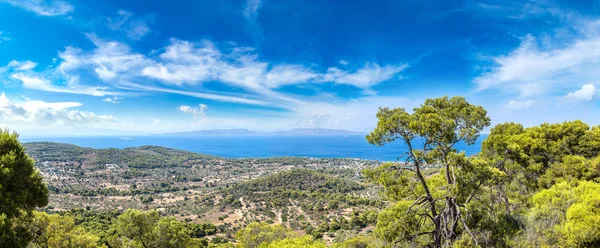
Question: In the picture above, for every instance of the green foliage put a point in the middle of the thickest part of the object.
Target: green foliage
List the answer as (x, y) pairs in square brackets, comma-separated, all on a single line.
[(572, 168), (495, 196), (21, 188), (528, 153), (433, 206), (297, 179), (300, 242), (359, 242), (170, 233), (314, 192), (138, 226), (566, 214), (260, 234), (397, 224), (201, 230), (53, 230)]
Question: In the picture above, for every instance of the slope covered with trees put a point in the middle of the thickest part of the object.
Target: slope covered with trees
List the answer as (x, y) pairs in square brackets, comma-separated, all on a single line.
[(528, 187)]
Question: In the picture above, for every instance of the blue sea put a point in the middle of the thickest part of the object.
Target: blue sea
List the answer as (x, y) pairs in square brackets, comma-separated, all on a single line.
[(257, 146)]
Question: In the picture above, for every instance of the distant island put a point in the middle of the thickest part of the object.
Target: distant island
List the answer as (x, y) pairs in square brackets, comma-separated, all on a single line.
[(246, 132)]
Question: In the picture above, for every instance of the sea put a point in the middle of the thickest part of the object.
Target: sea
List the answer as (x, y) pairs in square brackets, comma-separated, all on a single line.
[(352, 146)]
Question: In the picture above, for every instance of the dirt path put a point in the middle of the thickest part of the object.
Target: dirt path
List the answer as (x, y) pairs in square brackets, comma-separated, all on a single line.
[(312, 223)]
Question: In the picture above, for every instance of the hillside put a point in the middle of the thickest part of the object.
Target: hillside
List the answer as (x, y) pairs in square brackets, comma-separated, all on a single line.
[(300, 198), (298, 179), (144, 157), (198, 187)]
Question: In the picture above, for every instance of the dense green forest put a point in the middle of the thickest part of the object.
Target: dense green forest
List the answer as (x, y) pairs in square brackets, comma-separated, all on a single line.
[(528, 187)]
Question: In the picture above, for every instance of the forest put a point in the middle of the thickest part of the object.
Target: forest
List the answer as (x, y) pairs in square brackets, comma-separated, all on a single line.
[(527, 187)]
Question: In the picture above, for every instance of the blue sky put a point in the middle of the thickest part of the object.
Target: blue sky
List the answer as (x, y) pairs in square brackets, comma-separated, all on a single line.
[(140, 67)]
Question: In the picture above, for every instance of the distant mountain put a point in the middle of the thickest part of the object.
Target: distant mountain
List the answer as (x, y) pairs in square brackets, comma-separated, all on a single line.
[(217, 132), (245, 132), (315, 132)]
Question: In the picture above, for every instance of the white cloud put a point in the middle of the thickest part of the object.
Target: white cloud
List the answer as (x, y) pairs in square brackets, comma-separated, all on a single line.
[(44, 114), (18, 66), (113, 99), (135, 29), (533, 69), (184, 66), (185, 62), (72, 87), (518, 105), (586, 93), (108, 60), (343, 62), (43, 7), (22, 66), (195, 111)]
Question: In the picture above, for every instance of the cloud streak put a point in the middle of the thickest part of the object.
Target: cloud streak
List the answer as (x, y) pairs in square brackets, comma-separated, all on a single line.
[(39, 83), (518, 105), (42, 7)]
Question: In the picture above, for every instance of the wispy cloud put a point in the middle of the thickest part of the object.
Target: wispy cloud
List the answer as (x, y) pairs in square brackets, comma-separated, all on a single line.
[(4, 37), (521, 9), (124, 21), (534, 69), (18, 66), (518, 105), (39, 83), (365, 77), (251, 14), (43, 7), (251, 9)]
